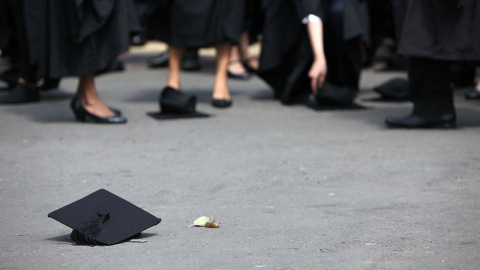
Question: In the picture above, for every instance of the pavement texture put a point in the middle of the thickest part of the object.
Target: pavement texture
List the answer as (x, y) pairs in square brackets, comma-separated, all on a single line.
[(292, 188)]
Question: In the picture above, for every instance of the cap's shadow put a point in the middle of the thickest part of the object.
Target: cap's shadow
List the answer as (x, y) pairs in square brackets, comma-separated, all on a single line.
[(65, 239), (203, 95)]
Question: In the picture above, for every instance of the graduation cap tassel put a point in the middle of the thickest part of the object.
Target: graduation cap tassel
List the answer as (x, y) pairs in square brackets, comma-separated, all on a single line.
[(85, 233)]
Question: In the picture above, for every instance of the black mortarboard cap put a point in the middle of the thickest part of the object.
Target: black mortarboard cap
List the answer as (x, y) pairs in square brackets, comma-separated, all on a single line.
[(104, 218), (175, 104), (332, 97), (395, 90), (330, 93)]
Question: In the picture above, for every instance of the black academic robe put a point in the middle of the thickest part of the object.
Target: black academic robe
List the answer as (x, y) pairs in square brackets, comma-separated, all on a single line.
[(253, 22), (6, 24), (286, 55), (443, 30), (77, 37), (194, 23)]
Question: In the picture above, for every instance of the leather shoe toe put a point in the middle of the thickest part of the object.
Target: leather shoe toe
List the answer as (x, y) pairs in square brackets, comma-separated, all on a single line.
[(413, 121)]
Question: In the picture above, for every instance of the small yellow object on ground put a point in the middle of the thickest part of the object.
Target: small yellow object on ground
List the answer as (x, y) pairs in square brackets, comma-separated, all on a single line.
[(204, 222)]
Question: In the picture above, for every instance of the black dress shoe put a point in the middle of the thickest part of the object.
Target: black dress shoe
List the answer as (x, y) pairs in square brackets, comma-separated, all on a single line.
[(159, 61), (221, 103), (83, 115), (412, 121), (472, 94), (21, 94)]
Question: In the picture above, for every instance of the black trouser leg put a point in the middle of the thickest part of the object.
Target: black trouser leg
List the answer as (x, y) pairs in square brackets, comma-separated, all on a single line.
[(27, 71), (430, 87), (25, 90), (343, 56)]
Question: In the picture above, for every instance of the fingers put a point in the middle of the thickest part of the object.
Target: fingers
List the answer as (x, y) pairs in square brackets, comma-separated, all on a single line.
[(314, 83), (321, 79)]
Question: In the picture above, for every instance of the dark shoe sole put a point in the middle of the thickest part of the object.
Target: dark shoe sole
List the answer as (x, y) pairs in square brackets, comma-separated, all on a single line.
[(440, 125), (221, 103)]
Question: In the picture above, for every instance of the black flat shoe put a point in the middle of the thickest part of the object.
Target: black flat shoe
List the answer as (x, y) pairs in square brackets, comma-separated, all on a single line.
[(221, 103), (446, 121), (116, 111), (238, 76), (472, 94), (83, 115)]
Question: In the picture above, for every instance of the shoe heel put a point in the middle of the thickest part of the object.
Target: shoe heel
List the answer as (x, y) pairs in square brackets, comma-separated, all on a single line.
[(79, 114)]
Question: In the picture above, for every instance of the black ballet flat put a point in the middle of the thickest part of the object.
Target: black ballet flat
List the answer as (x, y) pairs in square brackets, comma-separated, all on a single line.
[(82, 115), (221, 103), (116, 111), (238, 76)]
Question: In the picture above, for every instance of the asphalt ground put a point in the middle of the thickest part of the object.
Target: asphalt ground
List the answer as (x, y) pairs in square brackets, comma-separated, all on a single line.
[(291, 187)]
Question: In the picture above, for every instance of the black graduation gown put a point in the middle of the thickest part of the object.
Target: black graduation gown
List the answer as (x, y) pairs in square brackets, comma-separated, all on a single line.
[(443, 30), (253, 19), (286, 55), (5, 24), (78, 37), (199, 23)]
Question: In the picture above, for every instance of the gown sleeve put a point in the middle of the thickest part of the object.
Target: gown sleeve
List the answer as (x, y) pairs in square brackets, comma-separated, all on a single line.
[(306, 8)]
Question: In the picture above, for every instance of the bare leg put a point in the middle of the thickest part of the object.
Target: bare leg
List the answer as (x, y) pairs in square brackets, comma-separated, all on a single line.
[(174, 63), (220, 90), (243, 44), (87, 93), (235, 65)]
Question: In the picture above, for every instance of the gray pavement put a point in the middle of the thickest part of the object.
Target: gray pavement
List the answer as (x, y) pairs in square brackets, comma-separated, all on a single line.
[(291, 187)]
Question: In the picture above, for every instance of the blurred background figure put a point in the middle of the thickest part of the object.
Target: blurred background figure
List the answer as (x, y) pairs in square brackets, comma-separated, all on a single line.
[(21, 77), (58, 39), (455, 37), (146, 10), (289, 49), (195, 24), (241, 64)]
